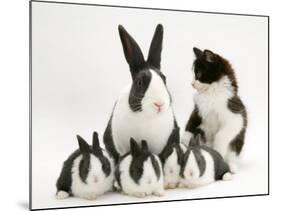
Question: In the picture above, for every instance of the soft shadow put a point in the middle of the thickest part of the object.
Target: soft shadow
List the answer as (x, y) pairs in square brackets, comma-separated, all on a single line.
[(24, 205)]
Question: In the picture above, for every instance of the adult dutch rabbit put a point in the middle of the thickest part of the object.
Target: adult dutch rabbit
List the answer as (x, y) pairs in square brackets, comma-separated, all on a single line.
[(143, 110)]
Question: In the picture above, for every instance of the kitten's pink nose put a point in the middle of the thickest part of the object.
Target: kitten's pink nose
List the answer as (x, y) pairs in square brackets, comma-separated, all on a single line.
[(193, 84)]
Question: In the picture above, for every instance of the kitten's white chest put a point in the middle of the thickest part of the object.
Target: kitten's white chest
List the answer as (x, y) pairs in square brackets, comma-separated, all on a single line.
[(212, 106)]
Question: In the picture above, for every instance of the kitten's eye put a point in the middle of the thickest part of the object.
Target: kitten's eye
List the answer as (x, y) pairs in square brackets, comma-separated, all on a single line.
[(198, 75)]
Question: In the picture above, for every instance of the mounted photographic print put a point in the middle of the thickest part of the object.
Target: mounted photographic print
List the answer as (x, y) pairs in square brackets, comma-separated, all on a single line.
[(138, 105)]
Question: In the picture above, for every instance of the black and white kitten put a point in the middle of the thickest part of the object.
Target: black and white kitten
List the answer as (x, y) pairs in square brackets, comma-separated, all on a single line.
[(219, 114)]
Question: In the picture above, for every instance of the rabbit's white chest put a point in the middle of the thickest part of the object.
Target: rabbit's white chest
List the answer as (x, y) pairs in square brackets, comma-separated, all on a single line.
[(140, 126)]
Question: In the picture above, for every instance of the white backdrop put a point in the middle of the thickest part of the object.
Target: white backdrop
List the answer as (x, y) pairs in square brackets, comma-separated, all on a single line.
[(79, 69)]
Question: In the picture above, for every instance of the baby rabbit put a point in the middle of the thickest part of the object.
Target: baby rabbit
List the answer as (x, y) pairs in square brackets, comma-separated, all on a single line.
[(171, 158), (139, 172), (202, 165), (143, 110), (87, 173)]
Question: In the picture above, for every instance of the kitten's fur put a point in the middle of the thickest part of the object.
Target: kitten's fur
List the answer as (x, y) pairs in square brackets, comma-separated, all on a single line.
[(219, 114)]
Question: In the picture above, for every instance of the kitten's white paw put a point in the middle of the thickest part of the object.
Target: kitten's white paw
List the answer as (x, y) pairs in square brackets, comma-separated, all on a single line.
[(185, 139), (116, 185), (62, 195), (227, 176), (233, 168)]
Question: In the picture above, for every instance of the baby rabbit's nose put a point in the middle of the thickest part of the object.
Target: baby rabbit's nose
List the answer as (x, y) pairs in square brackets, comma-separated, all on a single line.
[(96, 179)]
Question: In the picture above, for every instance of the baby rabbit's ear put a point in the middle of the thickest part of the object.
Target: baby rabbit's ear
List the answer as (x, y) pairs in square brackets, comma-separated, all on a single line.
[(174, 137), (195, 141), (96, 143), (83, 145), (132, 51), (144, 146), (135, 150), (154, 55)]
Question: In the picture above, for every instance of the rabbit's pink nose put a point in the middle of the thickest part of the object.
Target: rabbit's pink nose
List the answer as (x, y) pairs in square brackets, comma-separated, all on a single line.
[(158, 106), (96, 179)]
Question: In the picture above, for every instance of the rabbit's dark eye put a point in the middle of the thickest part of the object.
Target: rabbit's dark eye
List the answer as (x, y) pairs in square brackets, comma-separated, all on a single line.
[(139, 83), (164, 79)]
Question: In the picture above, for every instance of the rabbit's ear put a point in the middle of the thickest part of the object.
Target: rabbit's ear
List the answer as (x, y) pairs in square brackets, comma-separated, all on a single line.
[(132, 51), (144, 146), (154, 55), (83, 145), (175, 136), (96, 143), (135, 150), (195, 141)]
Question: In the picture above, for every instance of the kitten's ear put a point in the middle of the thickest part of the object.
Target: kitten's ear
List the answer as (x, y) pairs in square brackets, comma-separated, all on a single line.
[(154, 55), (210, 56), (83, 145), (135, 150), (197, 52)]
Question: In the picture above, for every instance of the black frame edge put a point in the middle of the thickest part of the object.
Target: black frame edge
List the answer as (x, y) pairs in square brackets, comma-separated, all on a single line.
[(30, 105), (147, 8), (151, 8)]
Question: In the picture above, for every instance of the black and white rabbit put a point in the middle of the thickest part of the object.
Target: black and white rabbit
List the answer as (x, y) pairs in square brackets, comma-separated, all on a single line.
[(171, 158), (87, 173), (202, 165), (143, 110), (139, 172)]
